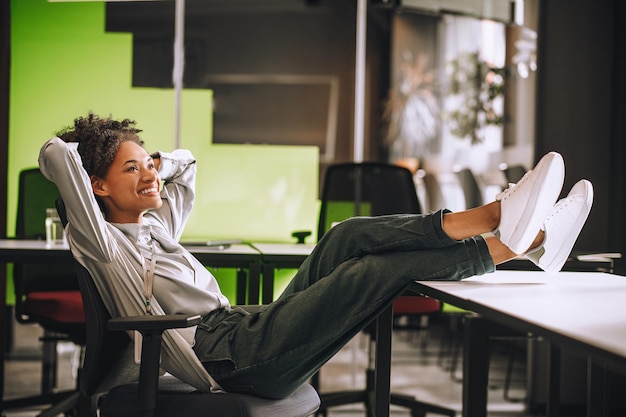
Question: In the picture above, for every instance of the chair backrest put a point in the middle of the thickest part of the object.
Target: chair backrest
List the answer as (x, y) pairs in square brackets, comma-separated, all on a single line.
[(35, 195), (471, 190), (514, 173), (434, 194), (109, 355), (365, 189)]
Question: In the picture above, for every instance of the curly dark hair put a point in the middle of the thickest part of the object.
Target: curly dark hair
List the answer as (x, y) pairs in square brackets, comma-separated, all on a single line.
[(99, 139)]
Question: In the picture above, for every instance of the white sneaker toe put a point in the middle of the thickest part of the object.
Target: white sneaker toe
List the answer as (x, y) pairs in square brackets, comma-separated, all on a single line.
[(525, 205), (562, 227)]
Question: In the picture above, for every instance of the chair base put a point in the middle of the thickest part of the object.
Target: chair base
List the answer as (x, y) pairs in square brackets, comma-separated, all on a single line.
[(175, 398), (418, 408), (61, 402)]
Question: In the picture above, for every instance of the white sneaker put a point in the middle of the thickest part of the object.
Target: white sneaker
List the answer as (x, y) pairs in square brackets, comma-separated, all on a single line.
[(562, 227), (525, 205)]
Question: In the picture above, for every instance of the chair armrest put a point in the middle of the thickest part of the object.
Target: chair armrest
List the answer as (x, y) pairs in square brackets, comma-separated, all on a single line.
[(151, 323), (151, 328)]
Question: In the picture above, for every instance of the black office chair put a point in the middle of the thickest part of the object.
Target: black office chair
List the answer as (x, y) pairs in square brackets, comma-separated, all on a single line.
[(112, 385), (45, 294), (374, 189), (471, 190), (467, 183), (514, 173)]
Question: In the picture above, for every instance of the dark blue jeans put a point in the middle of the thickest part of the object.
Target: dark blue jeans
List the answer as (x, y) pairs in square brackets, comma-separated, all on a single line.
[(355, 271)]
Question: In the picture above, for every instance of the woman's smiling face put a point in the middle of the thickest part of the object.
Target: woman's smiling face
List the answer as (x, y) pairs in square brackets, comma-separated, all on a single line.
[(131, 186)]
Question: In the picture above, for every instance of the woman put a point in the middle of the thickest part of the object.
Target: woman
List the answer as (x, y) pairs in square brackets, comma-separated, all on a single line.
[(127, 209)]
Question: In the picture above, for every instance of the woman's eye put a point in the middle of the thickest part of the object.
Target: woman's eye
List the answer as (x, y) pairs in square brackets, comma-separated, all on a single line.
[(133, 168)]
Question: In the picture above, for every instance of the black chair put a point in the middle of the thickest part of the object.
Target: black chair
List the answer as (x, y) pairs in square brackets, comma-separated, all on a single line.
[(514, 173), (434, 195), (467, 184), (112, 385), (471, 190), (374, 189), (45, 294)]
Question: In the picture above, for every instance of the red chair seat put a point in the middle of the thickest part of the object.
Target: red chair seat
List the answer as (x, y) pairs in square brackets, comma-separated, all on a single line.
[(417, 304), (59, 306)]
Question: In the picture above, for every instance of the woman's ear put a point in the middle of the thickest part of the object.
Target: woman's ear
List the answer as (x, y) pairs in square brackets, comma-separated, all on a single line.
[(98, 186)]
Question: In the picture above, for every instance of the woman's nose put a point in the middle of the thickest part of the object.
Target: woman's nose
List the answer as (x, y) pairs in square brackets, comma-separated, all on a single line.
[(149, 174)]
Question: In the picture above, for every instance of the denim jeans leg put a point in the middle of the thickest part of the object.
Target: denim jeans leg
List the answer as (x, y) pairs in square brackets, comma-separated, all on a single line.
[(355, 272)]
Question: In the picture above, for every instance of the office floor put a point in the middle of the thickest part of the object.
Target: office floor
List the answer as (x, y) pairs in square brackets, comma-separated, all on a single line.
[(419, 368)]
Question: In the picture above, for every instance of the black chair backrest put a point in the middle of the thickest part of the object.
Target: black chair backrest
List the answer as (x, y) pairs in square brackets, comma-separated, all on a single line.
[(471, 190), (365, 189), (109, 355), (514, 173), (35, 195), (434, 194)]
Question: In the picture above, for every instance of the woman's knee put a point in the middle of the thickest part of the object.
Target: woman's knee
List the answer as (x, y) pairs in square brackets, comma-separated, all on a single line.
[(348, 227)]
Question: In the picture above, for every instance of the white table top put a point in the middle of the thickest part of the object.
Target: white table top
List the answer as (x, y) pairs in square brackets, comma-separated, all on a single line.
[(15, 244), (269, 248), (584, 307), (27, 244), (284, 249), (237, 248)]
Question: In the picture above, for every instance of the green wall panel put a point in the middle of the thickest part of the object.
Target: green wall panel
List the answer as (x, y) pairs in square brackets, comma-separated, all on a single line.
[(63, 65), (254, 192)]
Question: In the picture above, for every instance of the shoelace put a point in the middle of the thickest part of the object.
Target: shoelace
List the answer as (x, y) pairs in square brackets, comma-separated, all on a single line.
[(560, 205), (511, 188), (555, 210)]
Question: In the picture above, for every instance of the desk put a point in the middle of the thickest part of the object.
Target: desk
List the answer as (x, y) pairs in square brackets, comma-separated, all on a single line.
[(277, 256), (16, 251), (240, 256), (581, 311)]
